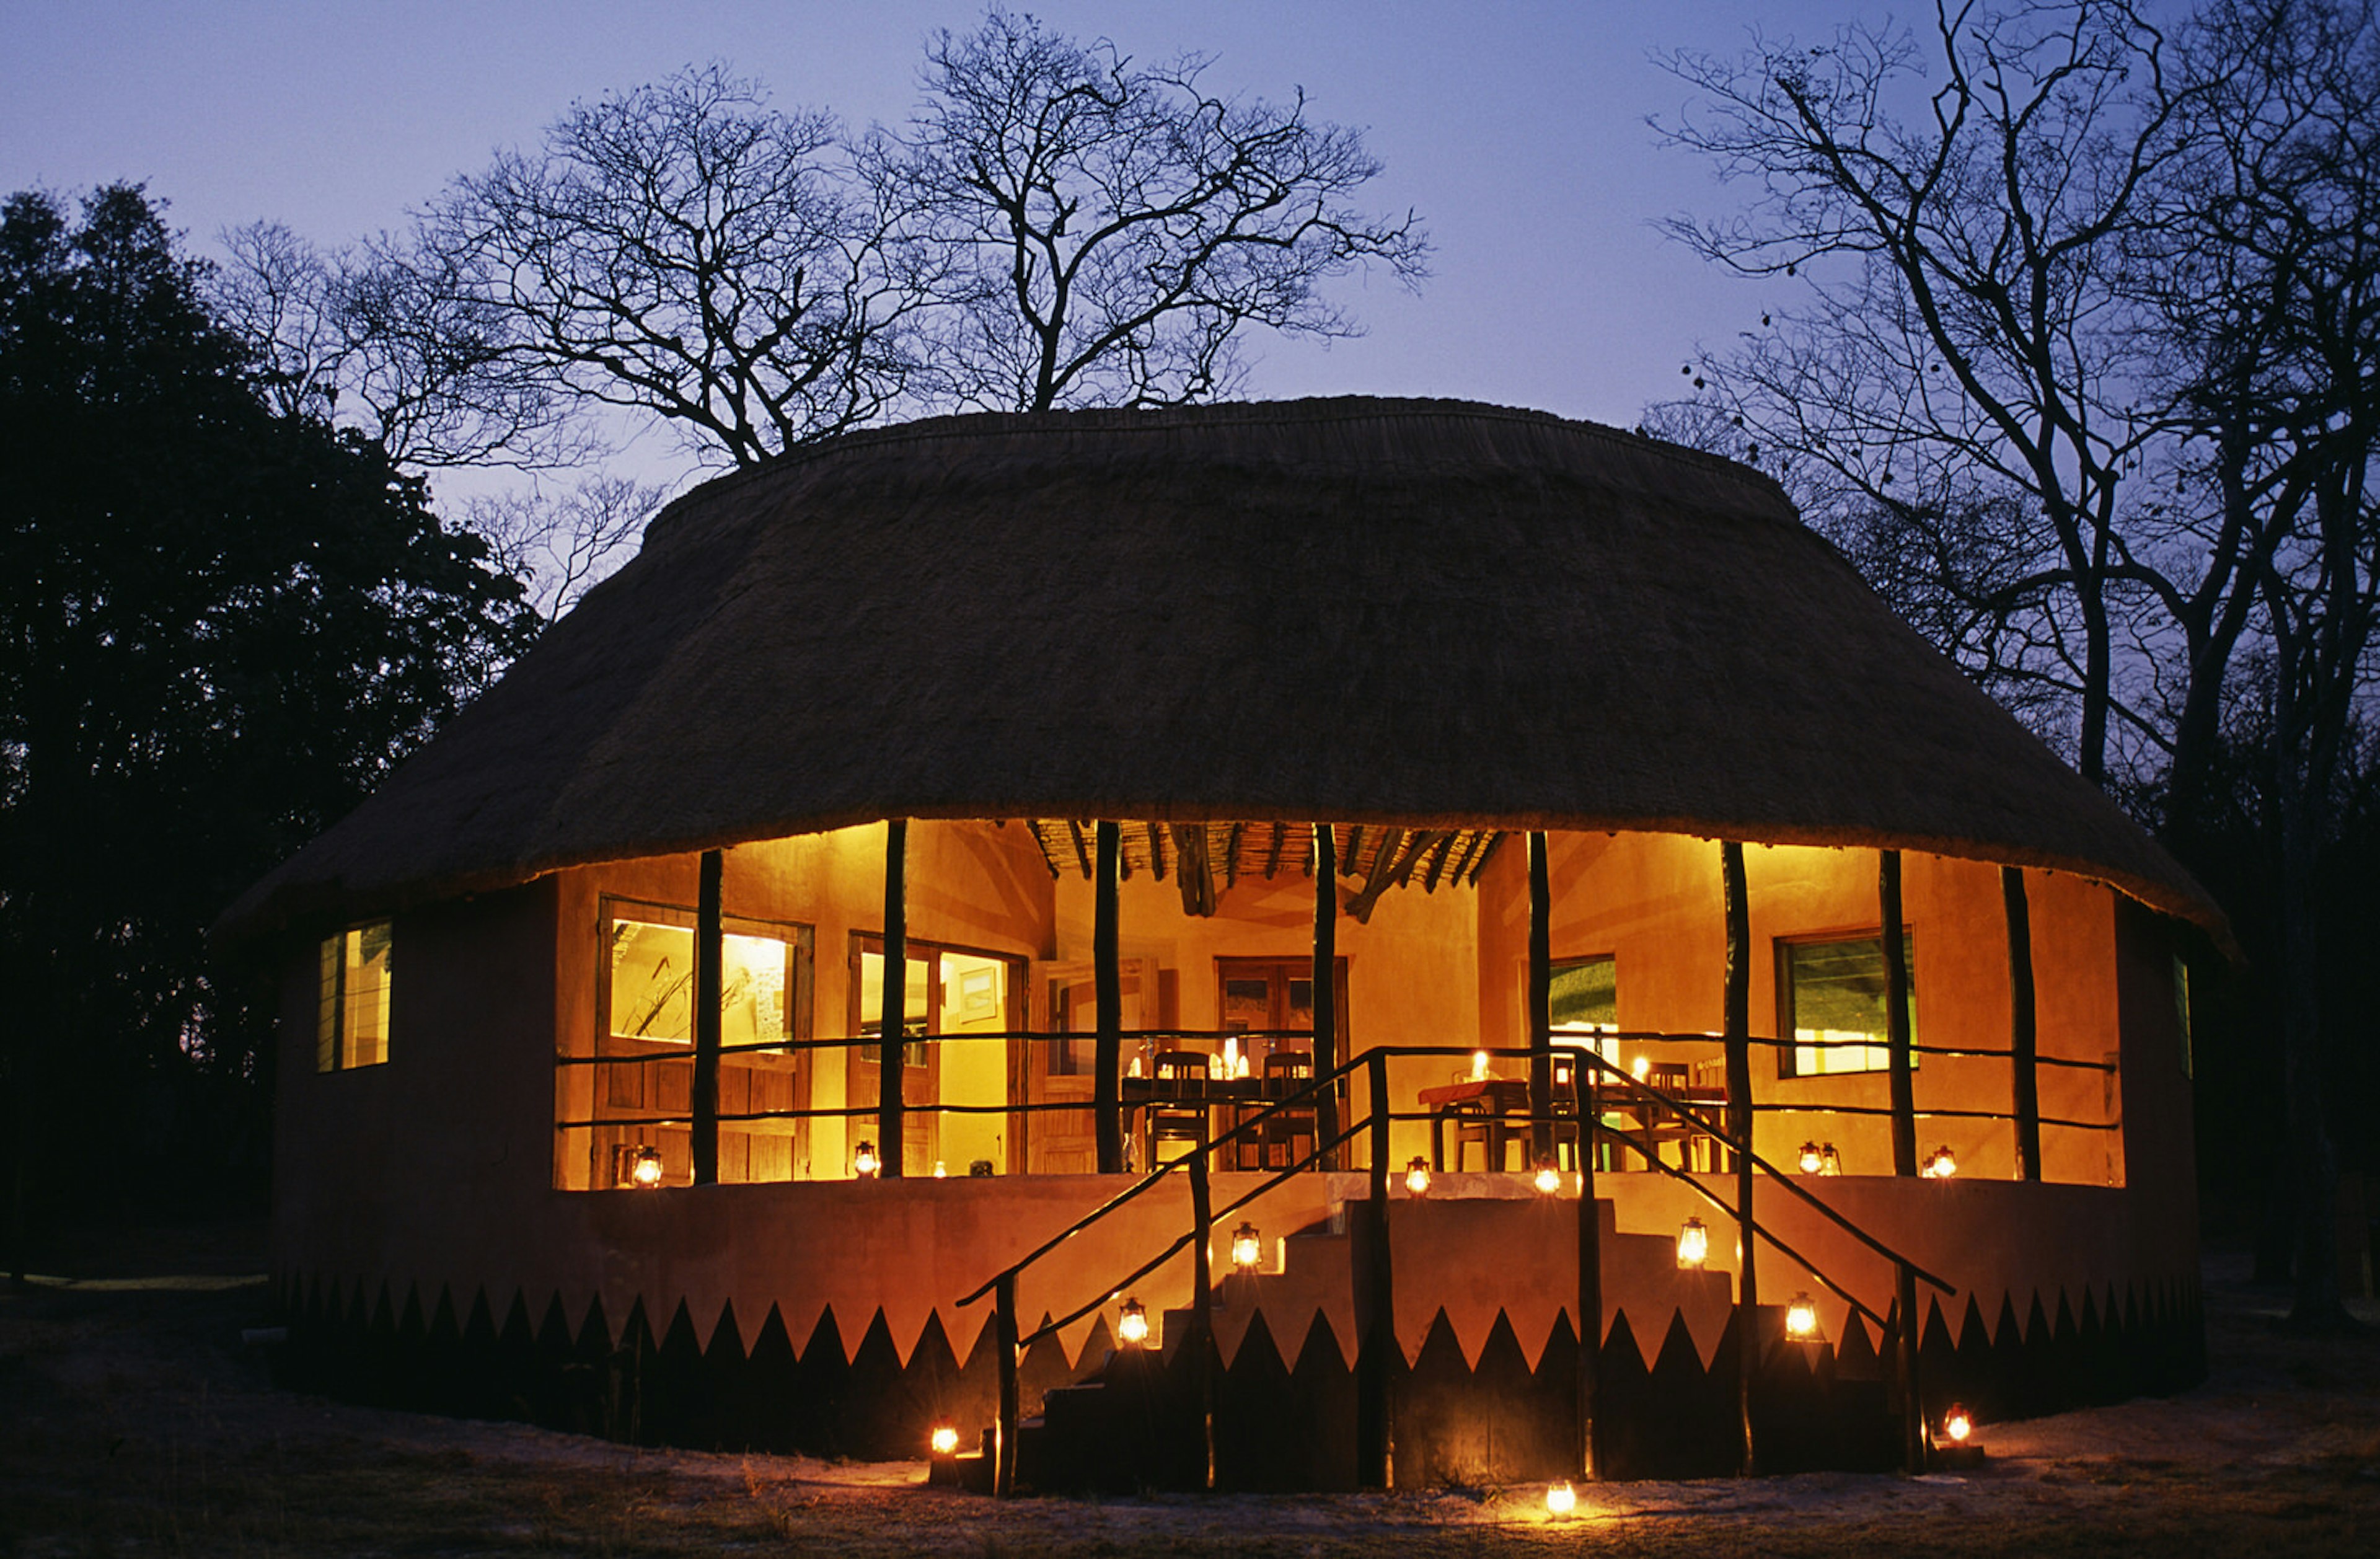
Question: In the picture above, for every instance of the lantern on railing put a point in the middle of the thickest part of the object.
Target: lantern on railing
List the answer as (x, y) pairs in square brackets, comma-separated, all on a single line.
[(1247, 1248), (1417, 1177), (1560, 1499), (1642, 1069), (1693, 1244), (1829, 1161), (1942, 1164), (942, 1170), (1548, 1179), (646, 1169), (1802, 1321), (1132, 1326), (1813, 1160), (864, 1162)]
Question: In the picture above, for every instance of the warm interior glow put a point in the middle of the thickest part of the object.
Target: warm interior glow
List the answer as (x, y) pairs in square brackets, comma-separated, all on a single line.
[(1560, 1499), (1132, 1327), (1802, 1319), (1417, 1177), (1693, 1244), (1548, 1181), (1943, 1164), (647, 1170), (1958, 1425), (1478, 1065), (1813, 1161), (946, 1441), (1246, 1247), (864, 1162)]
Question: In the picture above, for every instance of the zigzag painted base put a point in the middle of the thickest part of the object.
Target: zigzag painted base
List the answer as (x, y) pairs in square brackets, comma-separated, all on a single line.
[(1282, 1423)]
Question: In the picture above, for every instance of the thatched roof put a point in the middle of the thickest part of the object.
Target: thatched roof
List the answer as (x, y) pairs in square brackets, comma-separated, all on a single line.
[(1434, 615)]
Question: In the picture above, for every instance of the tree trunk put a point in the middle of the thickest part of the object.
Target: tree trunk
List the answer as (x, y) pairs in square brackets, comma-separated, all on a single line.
[(2313, 1163)]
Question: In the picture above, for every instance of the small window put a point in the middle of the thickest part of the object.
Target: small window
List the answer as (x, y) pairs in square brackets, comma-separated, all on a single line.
[(351, 1008), (1586, 999), (649, 994), (1831, 996)]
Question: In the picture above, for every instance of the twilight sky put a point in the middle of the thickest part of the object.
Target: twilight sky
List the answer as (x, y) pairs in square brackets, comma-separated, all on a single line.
[(1517, 130)]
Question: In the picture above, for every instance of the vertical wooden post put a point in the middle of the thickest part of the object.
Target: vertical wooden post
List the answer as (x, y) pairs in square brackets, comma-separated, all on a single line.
[(709, 950), (1326, 990), (1541, 1018), (1202, 1303), (1904, 1348), (1896, 1013), (1003, 1349), (1736, 1026), (1376, 1321), (892, 1007), (1590, 1265), (1107, 1050), (2025, 1037)]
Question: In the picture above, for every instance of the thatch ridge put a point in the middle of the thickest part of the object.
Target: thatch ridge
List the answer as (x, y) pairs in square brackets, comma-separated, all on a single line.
[(1418, 612)]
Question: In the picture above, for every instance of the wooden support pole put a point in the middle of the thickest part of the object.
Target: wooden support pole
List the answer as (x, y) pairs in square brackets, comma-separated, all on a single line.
[(1736, 1024), (1202, 1302), (1590, 1269), (1896, 1013), (2024, 1037), (1107, 1052), (1003, 1349), (1376, 1324), (709, 950), (892, 1002), (1905, 1351), (1541, 1007), (1326, 988)]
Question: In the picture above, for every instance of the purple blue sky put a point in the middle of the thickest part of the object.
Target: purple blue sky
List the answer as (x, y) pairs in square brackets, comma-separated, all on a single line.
[(1517, 130)]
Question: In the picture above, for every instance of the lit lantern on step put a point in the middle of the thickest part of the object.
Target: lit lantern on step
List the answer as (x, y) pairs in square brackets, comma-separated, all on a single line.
[(1560, 1499), (942, 1468), (646, 1169), (1802, 1321), (1247, 1248), (1548, 1179), (1943, 1164), (1694, 1245), (946, 1441), (1131, 1326), (1813, 1161), (864, 1162), (1958, 1425), (1954, 1442), (1417, 1177)]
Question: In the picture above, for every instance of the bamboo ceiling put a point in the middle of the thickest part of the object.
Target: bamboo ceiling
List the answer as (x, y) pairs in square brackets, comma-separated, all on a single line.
[(1378, 857)]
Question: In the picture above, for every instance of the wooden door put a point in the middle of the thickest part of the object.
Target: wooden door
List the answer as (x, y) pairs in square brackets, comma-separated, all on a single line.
[(920, 1136), (1059, 1067)]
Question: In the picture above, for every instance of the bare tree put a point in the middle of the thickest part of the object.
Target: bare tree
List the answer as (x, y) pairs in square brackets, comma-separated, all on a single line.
[(687, 251), (379, 338), (1962, 343), (1100, 233), (560, 544)]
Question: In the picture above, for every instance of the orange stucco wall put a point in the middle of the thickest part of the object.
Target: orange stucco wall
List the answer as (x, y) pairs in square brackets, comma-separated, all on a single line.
[(439, 1168)]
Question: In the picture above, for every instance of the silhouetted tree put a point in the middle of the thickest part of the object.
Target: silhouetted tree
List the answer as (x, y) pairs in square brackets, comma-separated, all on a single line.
[(220, 622), (1100, 232)]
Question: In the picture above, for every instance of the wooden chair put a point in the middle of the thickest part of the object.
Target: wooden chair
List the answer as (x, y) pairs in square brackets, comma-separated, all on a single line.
[(1287, 1134), (1179, 1112)]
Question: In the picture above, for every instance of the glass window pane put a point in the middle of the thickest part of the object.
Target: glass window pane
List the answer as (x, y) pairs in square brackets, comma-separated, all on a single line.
[(1586, 995), (1838, 1004), (652, 981)]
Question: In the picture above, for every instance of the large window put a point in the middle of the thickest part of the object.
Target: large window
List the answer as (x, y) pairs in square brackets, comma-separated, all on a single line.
[(1830, 998), (1586, 999), (635, 1095), (351, 1007)]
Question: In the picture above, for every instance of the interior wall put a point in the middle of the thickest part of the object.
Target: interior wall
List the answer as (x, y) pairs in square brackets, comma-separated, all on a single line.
[(1654, 903)]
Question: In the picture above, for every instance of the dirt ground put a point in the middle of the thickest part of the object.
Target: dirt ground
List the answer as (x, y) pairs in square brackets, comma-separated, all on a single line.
[(133, 1420)]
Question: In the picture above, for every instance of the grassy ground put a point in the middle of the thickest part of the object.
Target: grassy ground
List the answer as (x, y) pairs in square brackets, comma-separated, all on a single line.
[(133, 1420)]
